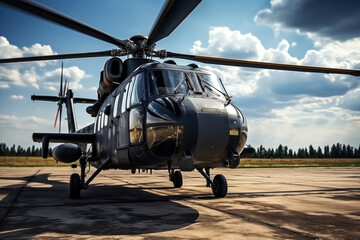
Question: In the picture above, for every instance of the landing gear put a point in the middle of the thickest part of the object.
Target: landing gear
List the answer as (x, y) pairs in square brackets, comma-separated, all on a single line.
[(74, 186), (176, 178), (218, 184), (77, 182)]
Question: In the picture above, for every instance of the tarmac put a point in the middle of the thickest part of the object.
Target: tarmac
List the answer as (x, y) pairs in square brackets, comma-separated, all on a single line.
[(262, 203)]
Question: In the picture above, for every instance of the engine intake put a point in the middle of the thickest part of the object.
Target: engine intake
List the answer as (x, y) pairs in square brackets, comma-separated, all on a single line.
[(110, 77)]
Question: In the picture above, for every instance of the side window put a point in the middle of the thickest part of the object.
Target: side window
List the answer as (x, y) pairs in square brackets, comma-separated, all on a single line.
[(138, 93), (116, 106), (99, 122), (123, 100), (130, 92), (106, 119), (103, 123), (97, 126), (136, 119)]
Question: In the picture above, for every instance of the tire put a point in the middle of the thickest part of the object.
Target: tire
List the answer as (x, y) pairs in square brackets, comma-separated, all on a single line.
[(219, 186), (74, 186), (177, 179)]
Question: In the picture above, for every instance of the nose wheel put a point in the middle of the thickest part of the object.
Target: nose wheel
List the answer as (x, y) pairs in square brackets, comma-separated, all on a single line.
[(74, 186), (218, 184), (176, 178)]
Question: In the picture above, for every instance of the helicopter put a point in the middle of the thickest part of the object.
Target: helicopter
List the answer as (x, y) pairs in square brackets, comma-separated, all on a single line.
[(150, 115)]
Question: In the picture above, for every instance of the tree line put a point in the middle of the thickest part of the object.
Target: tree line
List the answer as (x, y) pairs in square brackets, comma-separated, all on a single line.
[(20, 151), (335, 151)]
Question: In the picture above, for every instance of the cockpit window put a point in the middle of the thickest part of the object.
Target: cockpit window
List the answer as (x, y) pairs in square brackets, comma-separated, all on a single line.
[(213, 84), (163, 82), (138, 89)]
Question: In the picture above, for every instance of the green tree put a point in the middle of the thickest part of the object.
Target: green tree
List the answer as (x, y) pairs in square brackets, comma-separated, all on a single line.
[(290, 155), (326, 151), (312, 152), (319, 153), (13, 150)]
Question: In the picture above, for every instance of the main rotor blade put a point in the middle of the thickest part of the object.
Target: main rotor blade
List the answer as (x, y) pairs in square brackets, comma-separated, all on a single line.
[(263, 65), (172, 14), (63, 20), (55, 57)]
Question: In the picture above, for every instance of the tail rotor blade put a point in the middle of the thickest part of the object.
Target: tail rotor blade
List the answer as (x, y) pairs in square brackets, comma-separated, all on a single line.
[(60, 107), (56, 116), (66, 86), (61, 93)]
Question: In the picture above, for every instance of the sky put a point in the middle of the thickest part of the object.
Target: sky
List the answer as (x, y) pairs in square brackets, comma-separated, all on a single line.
[(288, 108)]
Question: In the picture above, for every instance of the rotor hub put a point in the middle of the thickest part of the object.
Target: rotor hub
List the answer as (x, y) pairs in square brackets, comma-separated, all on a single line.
[(139, 39)]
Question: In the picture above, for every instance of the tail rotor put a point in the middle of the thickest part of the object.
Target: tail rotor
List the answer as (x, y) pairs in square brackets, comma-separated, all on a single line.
[(61, 100), (65, 96)]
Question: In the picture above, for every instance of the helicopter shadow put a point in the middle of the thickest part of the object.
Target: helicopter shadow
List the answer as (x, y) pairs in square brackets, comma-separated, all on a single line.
[(43, 207)]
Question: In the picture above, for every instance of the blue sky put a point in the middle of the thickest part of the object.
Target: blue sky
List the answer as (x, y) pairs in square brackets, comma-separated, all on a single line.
[(293, 109)]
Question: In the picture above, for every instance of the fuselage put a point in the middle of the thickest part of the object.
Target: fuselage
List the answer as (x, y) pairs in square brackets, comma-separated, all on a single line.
[(165, 115)]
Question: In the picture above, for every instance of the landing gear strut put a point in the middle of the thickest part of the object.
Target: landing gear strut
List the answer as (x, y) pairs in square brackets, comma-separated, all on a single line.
[(77, 182), (175, 176), (218, 184)]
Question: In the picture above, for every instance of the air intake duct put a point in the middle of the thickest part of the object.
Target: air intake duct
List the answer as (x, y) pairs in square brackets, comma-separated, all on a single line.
[(110, 77)]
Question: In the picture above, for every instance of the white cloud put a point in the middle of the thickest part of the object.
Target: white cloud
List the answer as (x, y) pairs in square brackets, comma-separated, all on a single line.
[(23, 123), (314, 108), (245, 81), (4, 85), (8, 50), (19, 129), (51, 79), (17, 97), (224, 42), (351, 100), (35, 74), (316, 121), (336, 54)]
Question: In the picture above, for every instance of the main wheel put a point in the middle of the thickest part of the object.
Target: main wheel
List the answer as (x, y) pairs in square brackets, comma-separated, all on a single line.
[(177, 179), (74, 186), (219, 186)]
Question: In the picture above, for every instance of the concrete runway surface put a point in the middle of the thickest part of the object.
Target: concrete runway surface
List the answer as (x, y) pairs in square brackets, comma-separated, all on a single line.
[(277, 203)]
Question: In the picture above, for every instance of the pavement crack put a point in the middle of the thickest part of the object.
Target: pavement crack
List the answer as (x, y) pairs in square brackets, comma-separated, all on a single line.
[(8, 209), (304, 235)]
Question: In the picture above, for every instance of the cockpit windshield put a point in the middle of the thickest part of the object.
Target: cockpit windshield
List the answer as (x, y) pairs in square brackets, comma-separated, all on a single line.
[(213, 83), (163, 82)]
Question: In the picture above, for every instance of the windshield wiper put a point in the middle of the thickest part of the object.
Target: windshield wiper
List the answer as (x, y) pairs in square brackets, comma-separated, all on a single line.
[(180, 83), (212, 88)]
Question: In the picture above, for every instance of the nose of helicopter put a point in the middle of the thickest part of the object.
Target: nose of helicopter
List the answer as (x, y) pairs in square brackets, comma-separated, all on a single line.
[(214, 132), (206, 129)]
